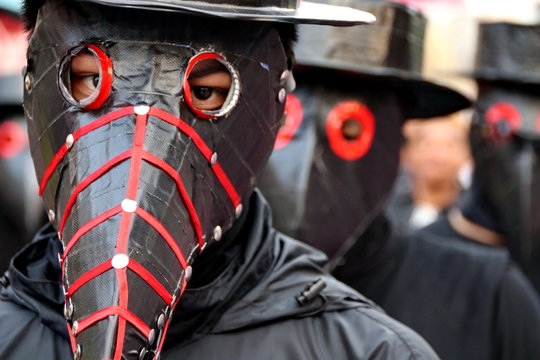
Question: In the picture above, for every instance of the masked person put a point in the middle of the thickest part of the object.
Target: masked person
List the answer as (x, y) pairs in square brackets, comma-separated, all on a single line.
[(337, 156), (21, 211), (502, 208), (149, 122)]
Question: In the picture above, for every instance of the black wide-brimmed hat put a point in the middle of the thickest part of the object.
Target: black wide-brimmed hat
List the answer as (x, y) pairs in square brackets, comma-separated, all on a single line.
[(390, 49), (290, 11), (508, 52)]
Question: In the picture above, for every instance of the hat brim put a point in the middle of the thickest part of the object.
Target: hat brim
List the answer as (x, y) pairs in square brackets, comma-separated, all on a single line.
[(499, 75), (306, 13), (423, 98), (428, 99)]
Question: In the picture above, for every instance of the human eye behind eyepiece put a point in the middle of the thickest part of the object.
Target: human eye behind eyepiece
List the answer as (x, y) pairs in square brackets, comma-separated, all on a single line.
[(84, 75), (210, 82)]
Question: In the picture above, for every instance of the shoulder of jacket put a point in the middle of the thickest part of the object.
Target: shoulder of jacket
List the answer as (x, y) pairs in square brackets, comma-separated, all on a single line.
[(390, 339)]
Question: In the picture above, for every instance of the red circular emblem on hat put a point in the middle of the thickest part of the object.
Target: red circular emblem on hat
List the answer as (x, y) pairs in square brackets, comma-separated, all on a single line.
[(294, 115), (350, 144), (13, 139)]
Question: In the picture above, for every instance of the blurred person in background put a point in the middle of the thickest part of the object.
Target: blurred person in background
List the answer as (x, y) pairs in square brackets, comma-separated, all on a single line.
[(21, 212), (502, 207), (436, 161), (333, 167)]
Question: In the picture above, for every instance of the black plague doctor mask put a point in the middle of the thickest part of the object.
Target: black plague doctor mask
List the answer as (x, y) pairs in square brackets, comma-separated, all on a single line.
[(147, 130), (505, 141), (336, 156)]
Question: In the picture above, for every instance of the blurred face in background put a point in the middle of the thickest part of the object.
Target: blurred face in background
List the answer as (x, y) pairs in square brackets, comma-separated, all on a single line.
[(435, 150)]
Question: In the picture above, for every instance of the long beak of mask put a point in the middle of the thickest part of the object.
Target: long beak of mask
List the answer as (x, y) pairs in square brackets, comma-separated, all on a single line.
[(515, 197), (118, 241), (138, 177)]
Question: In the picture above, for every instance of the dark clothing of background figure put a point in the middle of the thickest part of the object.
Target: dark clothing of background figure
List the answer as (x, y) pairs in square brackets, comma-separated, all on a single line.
[(248, 309), (442, 228), (480, 212), (467, 301)]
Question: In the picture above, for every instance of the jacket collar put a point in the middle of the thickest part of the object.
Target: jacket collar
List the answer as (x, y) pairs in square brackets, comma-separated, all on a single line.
[(34, 275), (261, 285)]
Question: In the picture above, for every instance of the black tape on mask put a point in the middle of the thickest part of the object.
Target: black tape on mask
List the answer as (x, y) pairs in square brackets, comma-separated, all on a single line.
[(330, 177), (505, 143), (138, 177)]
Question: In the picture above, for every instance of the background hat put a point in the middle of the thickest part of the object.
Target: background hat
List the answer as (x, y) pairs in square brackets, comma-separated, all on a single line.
[(291, 11), (390, 49), (508, 52)]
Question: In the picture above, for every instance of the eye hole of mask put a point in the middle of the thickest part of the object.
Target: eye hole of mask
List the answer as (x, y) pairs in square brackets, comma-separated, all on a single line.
[(503, 120), (292, 119), (350, 128), (86, 77), (211, 86)]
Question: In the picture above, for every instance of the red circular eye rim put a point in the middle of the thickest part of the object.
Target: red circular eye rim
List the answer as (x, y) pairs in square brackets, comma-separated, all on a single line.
[(293, 119), (503, 110), (100, 95), (350, 150), (106, 76), (186, 88)]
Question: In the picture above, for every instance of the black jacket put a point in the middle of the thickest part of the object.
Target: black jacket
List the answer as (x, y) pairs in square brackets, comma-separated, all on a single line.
[(467, 301), (249, 310)]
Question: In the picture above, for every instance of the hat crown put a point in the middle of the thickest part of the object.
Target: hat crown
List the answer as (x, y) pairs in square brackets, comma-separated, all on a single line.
[(395, 41), (508, 52)]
